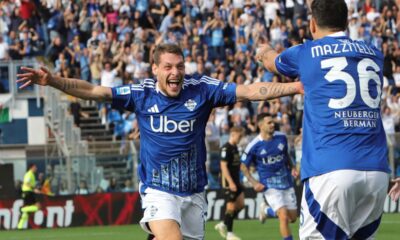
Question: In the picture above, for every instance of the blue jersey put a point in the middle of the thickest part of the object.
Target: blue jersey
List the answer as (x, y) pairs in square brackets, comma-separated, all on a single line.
[(172, 130), (342, 127), (271, 161)]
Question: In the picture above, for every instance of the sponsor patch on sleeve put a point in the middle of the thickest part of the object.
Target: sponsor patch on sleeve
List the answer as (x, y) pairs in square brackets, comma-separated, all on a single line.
[(123, 90), (223, 153)]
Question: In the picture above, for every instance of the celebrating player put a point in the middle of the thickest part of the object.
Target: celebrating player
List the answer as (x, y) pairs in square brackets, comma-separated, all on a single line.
[(172, 112), (344, 164), (269, 153)]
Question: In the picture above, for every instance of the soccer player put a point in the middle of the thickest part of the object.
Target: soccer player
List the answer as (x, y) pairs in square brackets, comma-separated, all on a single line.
[(29, 191), (172, 111), (269, 153), (344, 165), (230, 181)]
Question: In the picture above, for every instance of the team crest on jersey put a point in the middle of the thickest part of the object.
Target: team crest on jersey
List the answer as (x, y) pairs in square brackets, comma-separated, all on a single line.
[(123, 91), (280, 146), (190, 104)]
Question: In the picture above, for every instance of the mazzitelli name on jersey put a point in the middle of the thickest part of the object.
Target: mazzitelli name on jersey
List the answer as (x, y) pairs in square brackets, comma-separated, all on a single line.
[(344, 47)]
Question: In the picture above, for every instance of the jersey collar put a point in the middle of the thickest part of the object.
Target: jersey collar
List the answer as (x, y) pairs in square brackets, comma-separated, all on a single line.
[(337, 34), (158, 90)]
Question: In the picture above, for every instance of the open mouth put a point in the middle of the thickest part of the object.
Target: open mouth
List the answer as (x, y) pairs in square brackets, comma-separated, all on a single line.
[(173, 84)]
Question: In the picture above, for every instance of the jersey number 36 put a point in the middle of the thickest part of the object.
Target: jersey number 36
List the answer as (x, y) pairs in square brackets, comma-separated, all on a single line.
[(365, 74)]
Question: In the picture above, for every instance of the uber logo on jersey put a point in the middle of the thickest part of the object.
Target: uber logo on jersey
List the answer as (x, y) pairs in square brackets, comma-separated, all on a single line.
[(123, 91), (166, 125)]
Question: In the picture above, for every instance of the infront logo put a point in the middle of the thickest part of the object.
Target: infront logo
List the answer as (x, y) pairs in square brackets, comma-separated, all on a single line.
[(170, 126)]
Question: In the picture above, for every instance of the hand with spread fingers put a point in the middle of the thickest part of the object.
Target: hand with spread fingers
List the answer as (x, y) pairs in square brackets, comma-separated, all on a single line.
[(30, 76), (394, 192)]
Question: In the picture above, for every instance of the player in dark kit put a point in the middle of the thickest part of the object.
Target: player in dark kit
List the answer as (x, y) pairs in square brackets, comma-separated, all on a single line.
[(230, 181)]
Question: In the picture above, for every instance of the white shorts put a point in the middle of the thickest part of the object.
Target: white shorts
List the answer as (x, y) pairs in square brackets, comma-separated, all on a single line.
[(281, 198), (189, 212), (343, 204)]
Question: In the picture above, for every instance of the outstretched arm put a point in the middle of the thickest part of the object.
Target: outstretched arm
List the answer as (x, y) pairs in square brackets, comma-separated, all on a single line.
[(394, 192), (265, 91), (71, 86)]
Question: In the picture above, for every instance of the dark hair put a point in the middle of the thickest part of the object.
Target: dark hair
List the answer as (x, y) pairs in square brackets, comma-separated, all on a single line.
[(331, 14), (166, 48), (261, 116), (30, 165)]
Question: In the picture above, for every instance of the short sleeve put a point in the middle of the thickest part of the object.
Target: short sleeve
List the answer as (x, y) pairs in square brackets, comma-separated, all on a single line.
[(247, 156), (219, 93), (123, 97), (287, 62), (224, 154)]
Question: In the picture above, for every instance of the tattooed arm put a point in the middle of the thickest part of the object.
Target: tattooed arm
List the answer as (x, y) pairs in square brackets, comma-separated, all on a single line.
[(71, 86), (265, 91)]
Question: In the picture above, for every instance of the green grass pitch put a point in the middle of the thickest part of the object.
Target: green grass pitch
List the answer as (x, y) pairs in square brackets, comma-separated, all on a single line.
[(246, 229)]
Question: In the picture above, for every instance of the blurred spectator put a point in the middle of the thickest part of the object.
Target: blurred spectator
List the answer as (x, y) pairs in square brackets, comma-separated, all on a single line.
[(63, 189), (99, 190), (55, 48), (113, 186), (76, 111), (298, 104), (128, 187), (3, 49), (109, 75), (298, 144), (46, 186), (82, 188), (389, 120)]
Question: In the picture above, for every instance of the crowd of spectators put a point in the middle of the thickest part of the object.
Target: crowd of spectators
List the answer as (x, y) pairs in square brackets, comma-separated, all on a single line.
[(109, 43)]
